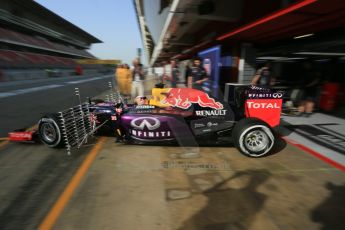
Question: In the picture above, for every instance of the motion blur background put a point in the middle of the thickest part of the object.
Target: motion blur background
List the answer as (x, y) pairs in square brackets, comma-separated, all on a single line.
[(50, 49)]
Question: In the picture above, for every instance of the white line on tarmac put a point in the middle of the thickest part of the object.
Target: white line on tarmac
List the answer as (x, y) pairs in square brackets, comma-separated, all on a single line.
[(39, 88), (29, 90), (8, 94), (317, 147), (85, 80)]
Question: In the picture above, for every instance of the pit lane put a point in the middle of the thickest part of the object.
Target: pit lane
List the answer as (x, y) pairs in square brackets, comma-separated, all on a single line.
[(155, 187), (32, 178), (32, 175)]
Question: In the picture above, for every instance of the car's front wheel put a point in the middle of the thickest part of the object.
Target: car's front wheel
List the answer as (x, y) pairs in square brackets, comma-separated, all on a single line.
[(253, 137), (49, 131)]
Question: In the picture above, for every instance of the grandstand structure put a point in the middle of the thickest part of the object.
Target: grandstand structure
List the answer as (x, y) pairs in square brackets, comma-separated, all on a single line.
[(34, 38)]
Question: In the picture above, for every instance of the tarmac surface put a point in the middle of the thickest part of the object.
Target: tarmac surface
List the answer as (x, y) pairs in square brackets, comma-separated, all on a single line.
[(22, 103), (156, 187), (151, 187), (107, 185)]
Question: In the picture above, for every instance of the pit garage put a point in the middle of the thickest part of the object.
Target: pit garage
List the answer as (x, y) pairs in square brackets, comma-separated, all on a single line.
[(301, 41)]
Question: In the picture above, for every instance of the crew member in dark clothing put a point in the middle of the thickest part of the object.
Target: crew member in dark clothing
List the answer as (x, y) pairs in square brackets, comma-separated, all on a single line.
[(186, 73), (264, 76), (197, 75), (119, 132), (175, 73), (310, 84)]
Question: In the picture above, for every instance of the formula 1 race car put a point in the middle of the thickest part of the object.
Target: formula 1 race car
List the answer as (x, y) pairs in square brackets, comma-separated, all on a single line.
[(173, 115)]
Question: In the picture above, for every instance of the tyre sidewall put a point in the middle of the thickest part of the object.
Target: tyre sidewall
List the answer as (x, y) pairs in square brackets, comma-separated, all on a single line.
[(52, 120), (244, 127)]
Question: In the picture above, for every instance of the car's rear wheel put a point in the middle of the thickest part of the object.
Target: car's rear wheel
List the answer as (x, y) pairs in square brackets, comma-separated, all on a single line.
[(253, 137), (49, 131)]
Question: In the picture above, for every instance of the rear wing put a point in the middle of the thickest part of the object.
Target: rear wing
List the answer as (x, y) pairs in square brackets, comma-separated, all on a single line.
[(264, 104), (253, 101)]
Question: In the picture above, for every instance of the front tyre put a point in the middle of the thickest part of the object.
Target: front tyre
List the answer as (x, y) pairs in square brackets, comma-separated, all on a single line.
[(49, 131), (253, 137)]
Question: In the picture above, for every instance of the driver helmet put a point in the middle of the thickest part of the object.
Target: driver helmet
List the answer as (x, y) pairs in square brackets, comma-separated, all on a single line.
[(141, 100)]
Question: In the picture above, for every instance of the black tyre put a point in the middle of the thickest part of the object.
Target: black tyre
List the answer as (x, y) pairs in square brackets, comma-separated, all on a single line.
[(50, 131), (253, 137)]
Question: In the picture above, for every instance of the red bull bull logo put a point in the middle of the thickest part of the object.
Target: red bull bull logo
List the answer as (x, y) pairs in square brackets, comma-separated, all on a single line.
[(184, 97)]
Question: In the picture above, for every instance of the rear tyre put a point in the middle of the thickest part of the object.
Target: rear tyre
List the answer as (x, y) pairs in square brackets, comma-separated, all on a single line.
[(49, 131), (253, 137)]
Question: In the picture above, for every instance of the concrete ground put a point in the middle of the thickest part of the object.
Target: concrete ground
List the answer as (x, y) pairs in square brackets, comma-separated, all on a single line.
[(320, 132), (151, 187)]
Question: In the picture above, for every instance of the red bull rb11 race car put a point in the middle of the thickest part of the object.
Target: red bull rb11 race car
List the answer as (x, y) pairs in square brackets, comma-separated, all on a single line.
[(183, 116)]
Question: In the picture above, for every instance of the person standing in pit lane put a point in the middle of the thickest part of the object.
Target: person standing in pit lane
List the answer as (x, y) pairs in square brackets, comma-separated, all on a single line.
[(128, 80), (311, 81), (197, 75), (174, 74), (186, 72), (138, 77), (119, 131), (119, 77), (264, 76)]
